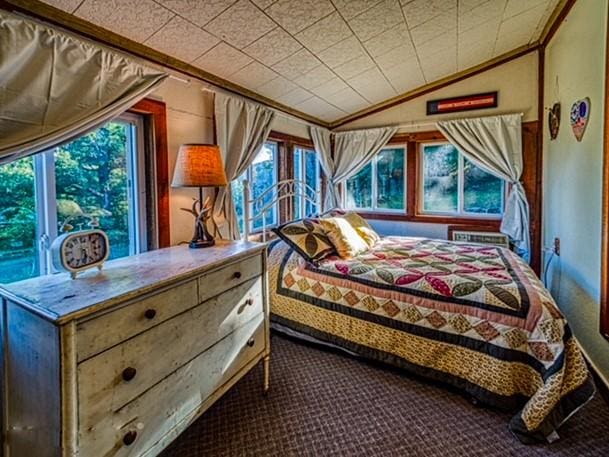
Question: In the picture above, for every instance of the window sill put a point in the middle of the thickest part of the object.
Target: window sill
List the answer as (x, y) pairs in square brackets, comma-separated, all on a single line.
[(427, 218)]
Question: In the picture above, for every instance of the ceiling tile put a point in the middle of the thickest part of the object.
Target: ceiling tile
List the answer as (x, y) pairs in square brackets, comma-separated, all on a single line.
[(276, 87), (354, 67), (317, 107), (295, 97), (253, 75), (223, 60), (405, 76), (241, 24), (351, 8), (134, 19), (273, 47), (197, 11), (263, 3), (545, 18), (439, 65), (389, 39), (348, 100), (468, 5), (515, 7), (481, 34), (324, 33), (481, 14), (395, 57), (64, 5), (342, 52), (440, 42), (372, 85), (376, 19), (315, 77), (419, 11), (329, 87), (181, 39), (518, 30), (471, 55), (296, 15), (297, 64), (431, 29)]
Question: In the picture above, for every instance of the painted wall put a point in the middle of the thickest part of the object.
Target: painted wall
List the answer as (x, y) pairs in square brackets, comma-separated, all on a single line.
[(516, 81), (575, 68)]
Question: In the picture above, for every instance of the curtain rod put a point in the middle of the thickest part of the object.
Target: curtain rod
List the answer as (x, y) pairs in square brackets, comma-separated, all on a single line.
[(421, 124)]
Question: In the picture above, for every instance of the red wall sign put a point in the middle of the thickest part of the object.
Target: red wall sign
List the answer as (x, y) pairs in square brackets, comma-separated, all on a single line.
[(466, 103)]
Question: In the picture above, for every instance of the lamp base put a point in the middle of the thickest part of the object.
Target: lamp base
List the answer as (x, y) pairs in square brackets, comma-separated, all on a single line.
[(197, 244)]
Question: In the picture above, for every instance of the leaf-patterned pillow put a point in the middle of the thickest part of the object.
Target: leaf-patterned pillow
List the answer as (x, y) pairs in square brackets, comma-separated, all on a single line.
[(307, 237)]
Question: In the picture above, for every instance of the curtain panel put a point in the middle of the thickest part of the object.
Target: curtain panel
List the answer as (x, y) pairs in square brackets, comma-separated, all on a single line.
[(55, 87), (494, 144), (352, 152), (241, 130)]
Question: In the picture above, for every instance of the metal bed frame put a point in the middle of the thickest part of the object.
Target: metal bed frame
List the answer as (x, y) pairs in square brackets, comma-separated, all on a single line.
[(287, 189)]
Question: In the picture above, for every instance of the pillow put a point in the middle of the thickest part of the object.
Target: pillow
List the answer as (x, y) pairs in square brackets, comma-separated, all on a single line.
[(307, 237), (344, 237), (362, 228)]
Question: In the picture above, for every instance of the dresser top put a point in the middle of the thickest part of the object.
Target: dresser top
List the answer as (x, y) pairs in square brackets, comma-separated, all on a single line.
[(60, 298)]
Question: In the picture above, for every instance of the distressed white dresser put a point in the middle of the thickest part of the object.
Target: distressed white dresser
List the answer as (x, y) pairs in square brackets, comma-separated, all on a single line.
[(119, 362)]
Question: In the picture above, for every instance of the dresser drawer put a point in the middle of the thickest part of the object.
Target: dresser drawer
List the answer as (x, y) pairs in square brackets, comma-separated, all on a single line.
[(113, 378), (215, 282), (174, 400), (100, 333)]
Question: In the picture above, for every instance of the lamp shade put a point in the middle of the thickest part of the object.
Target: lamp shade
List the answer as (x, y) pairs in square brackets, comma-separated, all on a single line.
[(199, 165)]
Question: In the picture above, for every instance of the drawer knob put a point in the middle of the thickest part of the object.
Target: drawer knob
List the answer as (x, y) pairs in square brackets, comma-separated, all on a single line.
[(129, 437), (129, 373), (150, 313), (250, 342), (237, 275)]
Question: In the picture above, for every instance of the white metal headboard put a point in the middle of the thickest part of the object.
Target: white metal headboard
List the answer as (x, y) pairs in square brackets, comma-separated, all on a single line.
[(286, 189)]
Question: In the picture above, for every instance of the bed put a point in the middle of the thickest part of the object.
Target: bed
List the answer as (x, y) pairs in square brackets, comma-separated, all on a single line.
[(473, 316)]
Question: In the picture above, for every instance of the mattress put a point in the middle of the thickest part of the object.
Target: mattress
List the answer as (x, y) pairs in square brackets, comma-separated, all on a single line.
[(472, 316)]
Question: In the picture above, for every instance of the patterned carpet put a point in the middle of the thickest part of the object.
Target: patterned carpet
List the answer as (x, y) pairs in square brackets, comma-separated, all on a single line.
[(327, 404)]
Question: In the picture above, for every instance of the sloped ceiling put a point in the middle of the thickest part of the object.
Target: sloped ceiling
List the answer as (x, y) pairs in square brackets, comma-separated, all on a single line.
[(325, 58)]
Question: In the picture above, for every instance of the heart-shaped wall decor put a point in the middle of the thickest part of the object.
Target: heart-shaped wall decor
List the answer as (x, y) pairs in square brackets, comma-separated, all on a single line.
[(580, 113)]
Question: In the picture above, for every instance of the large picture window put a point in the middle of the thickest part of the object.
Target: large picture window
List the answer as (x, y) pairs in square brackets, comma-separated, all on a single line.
[(380, 185), (261, 175), (306, 169), (98, 177), (453, 185)]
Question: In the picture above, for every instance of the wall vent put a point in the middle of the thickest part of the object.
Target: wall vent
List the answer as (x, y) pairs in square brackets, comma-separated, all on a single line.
[(492, 238)]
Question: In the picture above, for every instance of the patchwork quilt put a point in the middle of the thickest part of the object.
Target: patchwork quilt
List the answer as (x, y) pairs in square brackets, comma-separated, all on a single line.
[(469, 315)]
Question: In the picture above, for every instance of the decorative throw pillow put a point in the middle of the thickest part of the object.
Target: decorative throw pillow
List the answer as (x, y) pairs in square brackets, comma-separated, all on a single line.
[(344, 237), (362, 227), (307, 237)]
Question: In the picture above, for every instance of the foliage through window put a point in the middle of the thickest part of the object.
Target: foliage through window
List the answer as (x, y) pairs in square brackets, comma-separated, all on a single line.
[(454, 185), (307, 170), (261, 175), (96, 177), (381, 184)]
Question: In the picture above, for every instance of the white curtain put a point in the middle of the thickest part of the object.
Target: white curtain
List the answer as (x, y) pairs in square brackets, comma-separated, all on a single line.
[(241, 130), (352, 151), (494, 144), (55, 87)]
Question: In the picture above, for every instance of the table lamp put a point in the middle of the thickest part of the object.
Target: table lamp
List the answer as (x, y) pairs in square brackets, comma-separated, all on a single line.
[(200, 165)]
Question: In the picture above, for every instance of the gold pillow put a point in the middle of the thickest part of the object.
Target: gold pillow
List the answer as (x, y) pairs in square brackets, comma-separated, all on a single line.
[(343, 236), (363, 229)]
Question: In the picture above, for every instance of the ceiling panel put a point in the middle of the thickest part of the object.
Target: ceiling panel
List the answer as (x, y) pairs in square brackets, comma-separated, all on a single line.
[(327, 58)]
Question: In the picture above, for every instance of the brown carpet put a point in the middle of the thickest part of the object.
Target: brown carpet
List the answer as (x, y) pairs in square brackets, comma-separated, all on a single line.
[(327, 404)]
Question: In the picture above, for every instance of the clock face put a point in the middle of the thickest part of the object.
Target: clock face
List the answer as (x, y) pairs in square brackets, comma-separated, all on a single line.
[(84, 249)]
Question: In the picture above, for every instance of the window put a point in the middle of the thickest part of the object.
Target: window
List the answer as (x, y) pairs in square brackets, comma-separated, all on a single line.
[(381, 184), (261, 175), (454, 185), (306, 169), (98, 177)]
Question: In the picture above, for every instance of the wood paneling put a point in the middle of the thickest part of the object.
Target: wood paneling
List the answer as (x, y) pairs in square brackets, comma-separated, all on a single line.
[(156, 112)]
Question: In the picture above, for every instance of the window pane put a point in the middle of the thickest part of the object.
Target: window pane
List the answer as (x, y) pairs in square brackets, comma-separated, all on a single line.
[(312, 180), (482, 192), (18, 247), (263, 177), (359, 189), (390, 179), (237, 188), (92, 182), (440, 178), (298, 176)]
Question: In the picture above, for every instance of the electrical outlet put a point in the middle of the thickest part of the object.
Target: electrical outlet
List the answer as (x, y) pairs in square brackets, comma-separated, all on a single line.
[(557, 246)]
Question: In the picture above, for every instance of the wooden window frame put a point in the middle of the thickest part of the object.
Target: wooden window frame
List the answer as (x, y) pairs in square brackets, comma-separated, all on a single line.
[(155, 122)]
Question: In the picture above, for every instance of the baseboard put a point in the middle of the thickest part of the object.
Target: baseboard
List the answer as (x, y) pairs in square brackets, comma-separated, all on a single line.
[(601, 382)]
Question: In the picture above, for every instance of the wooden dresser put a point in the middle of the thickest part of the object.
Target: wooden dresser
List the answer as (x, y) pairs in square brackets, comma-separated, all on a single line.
[(119, 362)]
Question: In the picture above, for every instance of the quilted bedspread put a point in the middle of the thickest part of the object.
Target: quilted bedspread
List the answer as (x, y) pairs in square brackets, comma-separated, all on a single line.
[(473, 316)]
